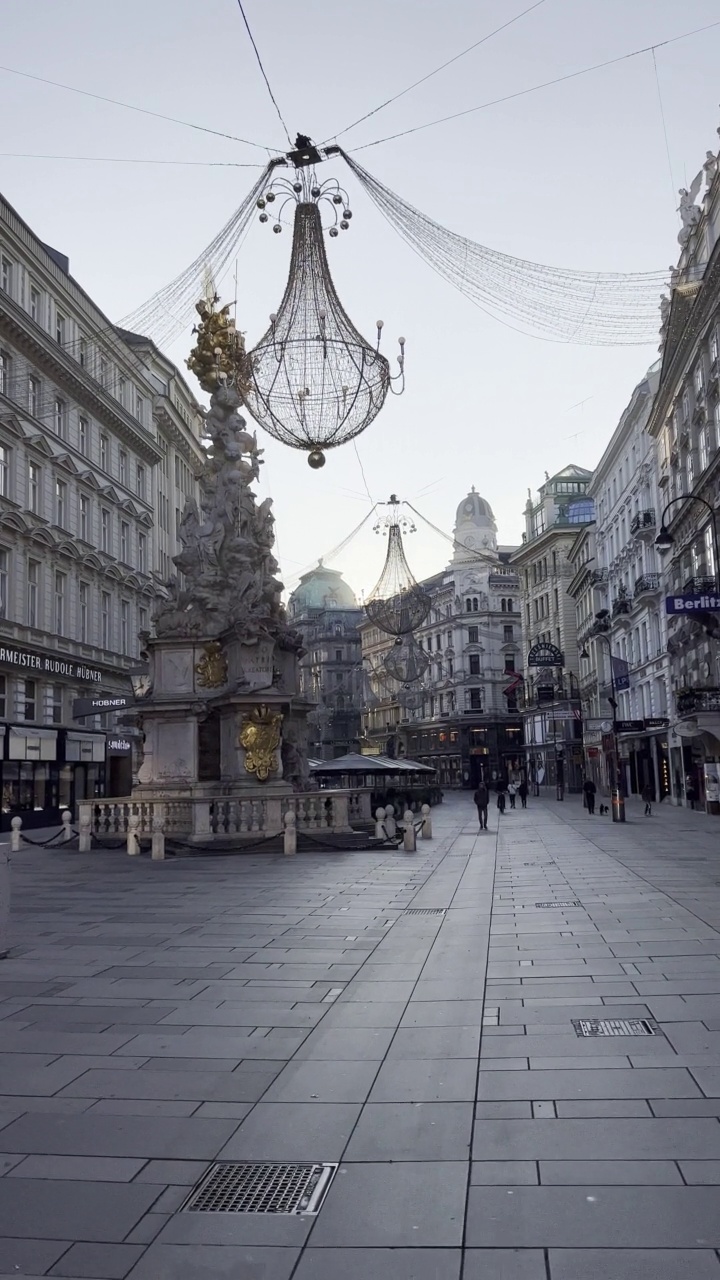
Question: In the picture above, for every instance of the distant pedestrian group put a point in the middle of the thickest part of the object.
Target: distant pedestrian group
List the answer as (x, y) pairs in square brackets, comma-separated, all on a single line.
[(505, 791)]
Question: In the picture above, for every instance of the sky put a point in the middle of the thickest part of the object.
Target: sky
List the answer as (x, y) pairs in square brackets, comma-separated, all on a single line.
[(582, 174)]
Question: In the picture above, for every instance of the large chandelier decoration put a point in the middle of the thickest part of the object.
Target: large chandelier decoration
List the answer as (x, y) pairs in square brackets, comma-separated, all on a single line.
[(406, 662), (316, 382), (397, 604)]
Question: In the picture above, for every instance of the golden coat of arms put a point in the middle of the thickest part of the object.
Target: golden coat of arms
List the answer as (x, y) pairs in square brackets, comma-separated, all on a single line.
[(260, 736), (211, 670)]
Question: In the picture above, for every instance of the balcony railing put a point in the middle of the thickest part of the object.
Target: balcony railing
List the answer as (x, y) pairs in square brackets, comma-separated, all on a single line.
[(599, 575), (648, 582), (643, 520), (621, 606), (692, 701)]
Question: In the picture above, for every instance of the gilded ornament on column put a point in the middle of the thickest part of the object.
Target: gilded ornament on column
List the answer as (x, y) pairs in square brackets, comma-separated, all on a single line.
[(212, 669), (260, 736)]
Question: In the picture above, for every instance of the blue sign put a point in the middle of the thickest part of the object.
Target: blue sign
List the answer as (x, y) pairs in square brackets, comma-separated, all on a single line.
[(706, 603)]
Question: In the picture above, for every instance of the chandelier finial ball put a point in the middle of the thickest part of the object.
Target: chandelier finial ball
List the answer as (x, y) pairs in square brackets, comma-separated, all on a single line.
[(315, 193), (297, 187), (277, 228), (347, 213), (261, 203), (270, 197), (344, 225), (333, 232), (263, 217), (337, 199), (316, 459)]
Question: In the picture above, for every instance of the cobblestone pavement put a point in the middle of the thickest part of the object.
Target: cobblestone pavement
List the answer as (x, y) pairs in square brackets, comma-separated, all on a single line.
[(157, 1016)]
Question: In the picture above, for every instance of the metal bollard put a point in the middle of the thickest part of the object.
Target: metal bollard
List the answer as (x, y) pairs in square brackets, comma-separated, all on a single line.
[(409, 837), (15, 825), (426, 833), (380, 824), (133, 844), (390, 823), (290, 833), (66, 819), (617, 802), (4, 903), (158, 839)]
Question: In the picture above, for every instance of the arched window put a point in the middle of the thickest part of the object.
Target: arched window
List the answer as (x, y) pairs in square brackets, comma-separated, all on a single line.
[(503, 605), (510, 606), (468, 606)]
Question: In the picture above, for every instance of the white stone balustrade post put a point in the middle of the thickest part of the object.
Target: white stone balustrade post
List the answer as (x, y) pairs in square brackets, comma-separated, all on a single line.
[(201, 818), (158, 833), (380, 823), (85, 827), (273, 817), (15, 828), (133, 844), (4, 902), (409, 841), (66, 819), (340, 814), (290, 835), (426, 833), (390, 823)]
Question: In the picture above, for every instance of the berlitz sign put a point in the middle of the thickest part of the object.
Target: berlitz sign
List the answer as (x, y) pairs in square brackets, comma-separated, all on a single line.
[(708, 603), (30, 661)]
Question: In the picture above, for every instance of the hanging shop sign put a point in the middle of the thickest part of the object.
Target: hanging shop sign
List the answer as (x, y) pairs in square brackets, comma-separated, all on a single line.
[(545, 655), (707, 603), (28, 660), (119, 746), (103, 702), (630, 726), (657, 722)]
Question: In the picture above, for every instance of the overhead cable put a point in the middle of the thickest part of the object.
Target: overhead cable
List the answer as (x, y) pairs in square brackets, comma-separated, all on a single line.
[(263, 72)]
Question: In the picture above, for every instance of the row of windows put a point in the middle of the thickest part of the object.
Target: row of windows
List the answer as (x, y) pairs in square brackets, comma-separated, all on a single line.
[(44, 311), (115, 624), (471, 604)]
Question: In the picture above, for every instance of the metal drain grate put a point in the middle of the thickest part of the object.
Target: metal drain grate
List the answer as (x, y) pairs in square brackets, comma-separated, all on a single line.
[(424, 911), (573, 903), (261, 1188), (593, 1027)]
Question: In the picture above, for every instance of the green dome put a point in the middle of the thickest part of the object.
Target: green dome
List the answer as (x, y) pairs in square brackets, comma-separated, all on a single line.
[(322, 588)]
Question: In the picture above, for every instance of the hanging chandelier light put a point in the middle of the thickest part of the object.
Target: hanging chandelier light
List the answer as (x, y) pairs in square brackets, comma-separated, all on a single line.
[(406, 662), (397, 605), (316, 382)]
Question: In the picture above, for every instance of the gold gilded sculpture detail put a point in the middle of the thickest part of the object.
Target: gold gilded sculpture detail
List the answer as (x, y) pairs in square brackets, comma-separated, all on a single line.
[(211, 670), (260, 736), (219, 354)]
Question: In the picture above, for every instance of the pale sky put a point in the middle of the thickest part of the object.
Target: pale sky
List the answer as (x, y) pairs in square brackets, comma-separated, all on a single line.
[(576, 175)]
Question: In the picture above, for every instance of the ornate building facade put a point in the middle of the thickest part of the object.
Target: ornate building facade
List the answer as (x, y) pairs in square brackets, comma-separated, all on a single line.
[(550, 698), (324, 609), (99, 444), (461, 717), (685, 425)]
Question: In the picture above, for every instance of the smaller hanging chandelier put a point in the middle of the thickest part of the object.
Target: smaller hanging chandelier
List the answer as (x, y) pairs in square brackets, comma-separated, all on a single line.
[(406, 662), (316, 382), (397, 604)]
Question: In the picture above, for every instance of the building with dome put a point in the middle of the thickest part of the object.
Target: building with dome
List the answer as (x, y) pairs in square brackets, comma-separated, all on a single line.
[(462, 716), (324, 609)]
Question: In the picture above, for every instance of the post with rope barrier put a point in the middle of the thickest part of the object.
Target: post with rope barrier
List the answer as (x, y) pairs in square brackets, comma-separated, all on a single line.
[(409, 837), (426, 831), (66, 819), (380, 823), (133, 844), (290, 833), (15, 837), (158, 833), (4, 902), (390, 823)]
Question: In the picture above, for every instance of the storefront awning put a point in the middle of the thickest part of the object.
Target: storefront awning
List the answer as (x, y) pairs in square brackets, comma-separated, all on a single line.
[(29, 743), (85, 746)]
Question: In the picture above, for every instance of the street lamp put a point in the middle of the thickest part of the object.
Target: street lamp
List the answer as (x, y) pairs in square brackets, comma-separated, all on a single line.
[(665, 540), (618, 801)]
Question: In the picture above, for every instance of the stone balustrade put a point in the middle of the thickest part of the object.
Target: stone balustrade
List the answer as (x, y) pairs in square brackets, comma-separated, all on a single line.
[(202, 821)]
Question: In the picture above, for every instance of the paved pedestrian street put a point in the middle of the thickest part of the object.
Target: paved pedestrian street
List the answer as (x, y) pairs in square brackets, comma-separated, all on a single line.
[(420, 1020)]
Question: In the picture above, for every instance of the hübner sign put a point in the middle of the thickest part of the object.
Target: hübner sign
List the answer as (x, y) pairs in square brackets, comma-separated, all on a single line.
[(30, 661)]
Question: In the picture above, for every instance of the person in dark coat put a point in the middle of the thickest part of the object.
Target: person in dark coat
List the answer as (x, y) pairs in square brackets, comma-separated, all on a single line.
[(501, 798), (589, 791), (480, 799), (523, 794), (648, 795)]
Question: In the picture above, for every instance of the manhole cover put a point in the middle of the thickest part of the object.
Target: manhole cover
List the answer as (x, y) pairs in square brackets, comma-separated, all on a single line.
[(261, 1188), (424, 911), (573, 903), (592, 1027)]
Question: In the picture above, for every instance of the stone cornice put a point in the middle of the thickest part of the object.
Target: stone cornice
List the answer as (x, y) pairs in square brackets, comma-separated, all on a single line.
[(695, 305)]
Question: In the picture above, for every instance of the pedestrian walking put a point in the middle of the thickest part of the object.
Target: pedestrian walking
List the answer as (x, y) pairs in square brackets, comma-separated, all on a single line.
[(589, 791), (690, 791), (648, 795), (501, 798), (481, 798), (523, 794), (512, 792)]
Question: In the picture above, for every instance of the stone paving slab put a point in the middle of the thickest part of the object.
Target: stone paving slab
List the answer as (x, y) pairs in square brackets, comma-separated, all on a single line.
[(263, 1008)]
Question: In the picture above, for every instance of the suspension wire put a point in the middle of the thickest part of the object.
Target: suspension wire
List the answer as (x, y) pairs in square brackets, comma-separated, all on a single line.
[(264, 74), (664, 125), (437, 70), (362, 470), (520, 93), (454, 542), (331, 555), (211, 164), (188, 124)]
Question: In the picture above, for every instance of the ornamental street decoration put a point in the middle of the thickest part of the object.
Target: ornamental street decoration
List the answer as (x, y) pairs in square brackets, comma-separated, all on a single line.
[(545, 654), (397, 604), (406, 662)]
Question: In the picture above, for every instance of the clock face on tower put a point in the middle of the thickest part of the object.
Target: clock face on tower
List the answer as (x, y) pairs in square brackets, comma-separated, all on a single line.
[(470, 542), (468, 508)]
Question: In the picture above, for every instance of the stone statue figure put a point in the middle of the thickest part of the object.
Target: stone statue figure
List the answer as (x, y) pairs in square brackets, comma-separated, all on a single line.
[(229, 572), (664, 309), (710, 167), (689, 211)]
